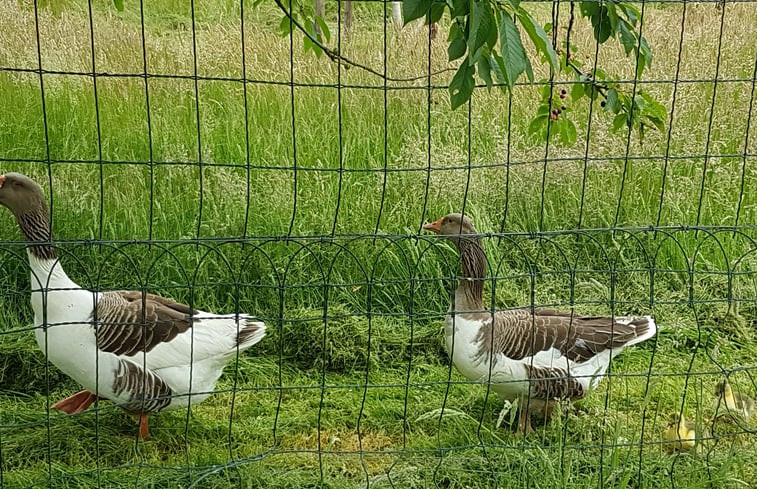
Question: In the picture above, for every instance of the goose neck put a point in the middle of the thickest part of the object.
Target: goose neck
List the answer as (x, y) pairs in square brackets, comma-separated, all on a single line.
[(470, 292), (35, 225)]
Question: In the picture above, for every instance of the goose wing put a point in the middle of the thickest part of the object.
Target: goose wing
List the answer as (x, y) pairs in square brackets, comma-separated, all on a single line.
[(130, 322), (520, 333), (559, 351), (157, 332)]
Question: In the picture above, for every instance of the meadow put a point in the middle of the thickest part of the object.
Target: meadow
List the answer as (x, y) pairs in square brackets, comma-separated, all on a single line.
[(299, 196)]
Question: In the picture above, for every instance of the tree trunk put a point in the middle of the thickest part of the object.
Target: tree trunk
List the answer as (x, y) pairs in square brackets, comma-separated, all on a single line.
[(320, 10), (347, 19), (397, 15)]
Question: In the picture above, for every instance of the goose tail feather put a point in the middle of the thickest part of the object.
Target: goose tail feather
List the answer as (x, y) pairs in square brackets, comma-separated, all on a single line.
[(645, 327), (250, 334)]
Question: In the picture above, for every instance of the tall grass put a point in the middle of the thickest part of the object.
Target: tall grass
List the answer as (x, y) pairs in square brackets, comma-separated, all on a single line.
[(313, 225)]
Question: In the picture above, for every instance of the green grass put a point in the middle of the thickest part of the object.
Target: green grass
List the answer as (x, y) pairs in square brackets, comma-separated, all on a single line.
[(347, 389)]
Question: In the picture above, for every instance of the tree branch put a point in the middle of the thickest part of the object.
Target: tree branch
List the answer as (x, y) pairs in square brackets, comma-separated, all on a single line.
[(600, 88), (338, 58)]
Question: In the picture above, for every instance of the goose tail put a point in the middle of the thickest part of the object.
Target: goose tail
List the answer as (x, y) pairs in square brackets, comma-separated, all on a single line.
[(251, 333), (644, 326)]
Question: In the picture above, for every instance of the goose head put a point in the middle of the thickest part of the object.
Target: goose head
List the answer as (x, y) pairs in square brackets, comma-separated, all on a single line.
[(459, 229), (24, 198), (452, 225), (21, 195)]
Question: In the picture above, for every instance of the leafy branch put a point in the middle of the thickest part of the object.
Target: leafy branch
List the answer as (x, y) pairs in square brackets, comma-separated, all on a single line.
[(487, 37), (303, 17)]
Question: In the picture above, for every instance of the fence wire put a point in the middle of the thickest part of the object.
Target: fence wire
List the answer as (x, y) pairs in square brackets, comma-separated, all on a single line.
[(190, 150)]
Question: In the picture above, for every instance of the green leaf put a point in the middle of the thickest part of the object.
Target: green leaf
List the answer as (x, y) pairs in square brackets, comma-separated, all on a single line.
[(591, 91), (659, 124), (602, 27), (285, 26), (612, 16), (460, 8), (537, 124), (436, 12), (456, 49), (568, 134), (481, 21), (632, 13), (484, 70), (529, 70), (454, 32), (645, 57), (612, 104), (589, 9), (310, 28), (461, 86), (619, 121), (498, 67), (491, 38), (538, 37), (577, 91), (641, 64), (307, 44), (546, 92), (513, 53), (588, 87), (415, 9), (627, 37), (324, 28), (119, 5), (653, 108)]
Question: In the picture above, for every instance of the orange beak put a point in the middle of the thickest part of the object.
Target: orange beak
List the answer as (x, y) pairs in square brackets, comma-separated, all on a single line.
[(2, 180), (435, 226)]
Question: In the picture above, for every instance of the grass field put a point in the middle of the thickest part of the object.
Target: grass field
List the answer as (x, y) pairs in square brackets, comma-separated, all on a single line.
[(352, 387)]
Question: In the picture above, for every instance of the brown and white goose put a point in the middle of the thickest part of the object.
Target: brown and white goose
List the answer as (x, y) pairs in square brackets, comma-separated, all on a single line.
[(537, 356), (152, 353)]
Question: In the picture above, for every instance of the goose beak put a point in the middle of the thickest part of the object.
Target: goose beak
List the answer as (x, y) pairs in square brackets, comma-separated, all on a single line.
[(2, 180), (435, 226)]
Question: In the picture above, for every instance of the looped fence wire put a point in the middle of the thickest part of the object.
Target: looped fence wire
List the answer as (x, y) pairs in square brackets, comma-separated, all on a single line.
[(187, 151)]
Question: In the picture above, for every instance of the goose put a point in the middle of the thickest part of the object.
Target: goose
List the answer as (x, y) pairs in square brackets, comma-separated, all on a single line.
[(535, 357), (144, 352), (735, 402), (680, 435)]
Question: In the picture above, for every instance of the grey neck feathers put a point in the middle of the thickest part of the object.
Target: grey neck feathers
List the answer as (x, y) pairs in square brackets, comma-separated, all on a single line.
[(35, 224), (473, 264)]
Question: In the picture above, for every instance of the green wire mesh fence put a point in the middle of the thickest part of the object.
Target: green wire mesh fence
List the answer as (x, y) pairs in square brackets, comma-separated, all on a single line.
[(190, 150)]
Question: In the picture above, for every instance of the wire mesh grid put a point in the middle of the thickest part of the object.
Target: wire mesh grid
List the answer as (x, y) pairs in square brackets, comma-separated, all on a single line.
[(189, 150)]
